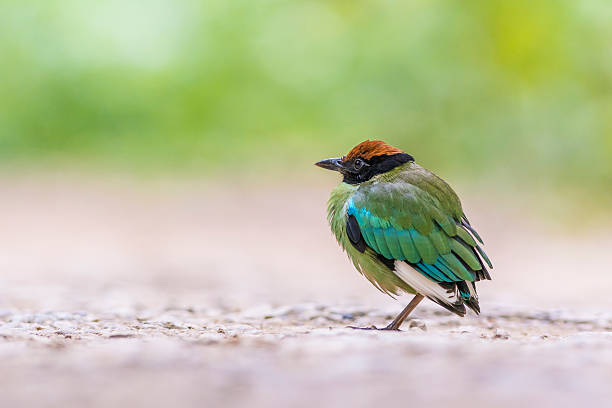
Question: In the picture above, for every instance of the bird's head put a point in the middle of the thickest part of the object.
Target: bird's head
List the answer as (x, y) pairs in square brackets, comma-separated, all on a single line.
[(366, 160)]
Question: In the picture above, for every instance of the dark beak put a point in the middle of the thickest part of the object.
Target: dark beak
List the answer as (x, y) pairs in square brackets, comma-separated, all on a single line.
[(331, 164)]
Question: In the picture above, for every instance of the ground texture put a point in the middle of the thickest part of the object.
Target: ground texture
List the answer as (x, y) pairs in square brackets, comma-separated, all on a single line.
[(301, 355), (191, 295)]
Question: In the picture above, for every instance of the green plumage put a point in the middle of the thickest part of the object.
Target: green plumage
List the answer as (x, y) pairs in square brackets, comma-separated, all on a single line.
[(408, 214)]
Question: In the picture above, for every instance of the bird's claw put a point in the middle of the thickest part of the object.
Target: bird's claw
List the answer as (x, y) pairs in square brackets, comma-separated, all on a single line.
[(388, 328), (362, 328)]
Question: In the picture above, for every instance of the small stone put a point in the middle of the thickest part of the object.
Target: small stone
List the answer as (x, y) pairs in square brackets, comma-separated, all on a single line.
[(120, 336), (501, 334), (418, 324), (466, 329), (171, 326)]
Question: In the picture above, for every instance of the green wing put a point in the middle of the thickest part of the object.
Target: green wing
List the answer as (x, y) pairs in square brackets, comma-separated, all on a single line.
[(417, 217)]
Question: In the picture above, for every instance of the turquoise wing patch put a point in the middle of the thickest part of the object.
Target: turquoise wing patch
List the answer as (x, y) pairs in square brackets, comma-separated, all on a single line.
[(437, 250)]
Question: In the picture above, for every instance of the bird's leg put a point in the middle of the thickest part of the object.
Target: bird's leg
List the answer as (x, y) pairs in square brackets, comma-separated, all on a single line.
[(397, 322)]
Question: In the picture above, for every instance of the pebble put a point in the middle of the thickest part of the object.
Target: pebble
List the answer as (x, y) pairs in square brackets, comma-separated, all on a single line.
[(417, 324), (501, 334)]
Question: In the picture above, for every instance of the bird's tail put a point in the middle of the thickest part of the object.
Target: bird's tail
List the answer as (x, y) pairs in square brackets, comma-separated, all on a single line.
[(462, 294), (467, 293)]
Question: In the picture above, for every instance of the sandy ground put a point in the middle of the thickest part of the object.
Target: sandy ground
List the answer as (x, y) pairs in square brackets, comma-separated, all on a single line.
[(117, 293)]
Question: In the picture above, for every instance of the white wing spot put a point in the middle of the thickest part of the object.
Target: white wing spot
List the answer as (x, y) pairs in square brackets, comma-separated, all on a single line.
[(422, 284)]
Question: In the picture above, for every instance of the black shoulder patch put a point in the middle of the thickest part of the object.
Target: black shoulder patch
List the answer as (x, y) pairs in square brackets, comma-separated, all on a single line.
[(354, 233)]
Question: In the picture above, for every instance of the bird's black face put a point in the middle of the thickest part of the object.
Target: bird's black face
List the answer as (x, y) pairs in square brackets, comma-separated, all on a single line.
[(358, 170)]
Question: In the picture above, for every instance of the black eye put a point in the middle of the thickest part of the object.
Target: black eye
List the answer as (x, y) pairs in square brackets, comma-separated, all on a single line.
[(358, 164)]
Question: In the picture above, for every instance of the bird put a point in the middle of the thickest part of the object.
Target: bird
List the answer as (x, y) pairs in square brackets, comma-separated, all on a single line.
[(405, 230)]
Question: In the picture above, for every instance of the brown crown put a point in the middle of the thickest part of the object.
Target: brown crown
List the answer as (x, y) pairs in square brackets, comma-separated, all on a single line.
[(371, 148)]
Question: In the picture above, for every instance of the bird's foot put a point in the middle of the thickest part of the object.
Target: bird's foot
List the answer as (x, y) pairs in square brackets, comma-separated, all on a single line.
[(388, 328), (362, 328)]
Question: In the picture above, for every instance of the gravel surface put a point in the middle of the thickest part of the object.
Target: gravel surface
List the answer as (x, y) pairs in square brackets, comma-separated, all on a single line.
[(301, 355), (179, 295)]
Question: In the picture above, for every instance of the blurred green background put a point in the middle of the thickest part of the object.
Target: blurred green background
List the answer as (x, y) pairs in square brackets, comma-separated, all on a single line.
[(513, 93)]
